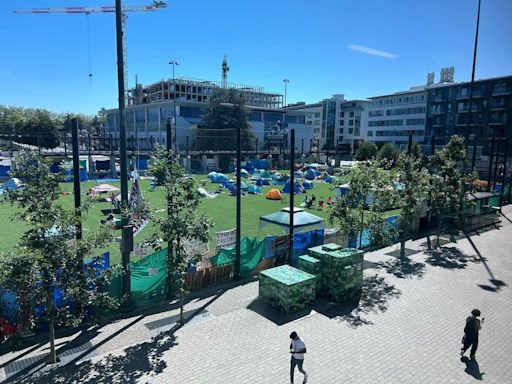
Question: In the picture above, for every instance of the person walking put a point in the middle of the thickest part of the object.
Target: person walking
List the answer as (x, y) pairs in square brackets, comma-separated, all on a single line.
[(297, 349), (470, 338)]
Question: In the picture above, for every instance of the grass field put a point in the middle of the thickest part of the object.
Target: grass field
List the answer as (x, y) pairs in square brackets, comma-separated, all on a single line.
[(221, 209)]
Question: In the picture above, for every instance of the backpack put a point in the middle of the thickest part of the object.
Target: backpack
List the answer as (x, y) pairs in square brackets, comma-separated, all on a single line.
[(470, 328)]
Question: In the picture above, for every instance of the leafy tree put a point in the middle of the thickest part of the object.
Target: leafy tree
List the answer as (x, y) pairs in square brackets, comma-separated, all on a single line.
[(371, 194), (226, 113), (184, 223), (367, 150), (158, 165), (415, 181), (448, 190), (416, 150), (388, 155), (49, 258)]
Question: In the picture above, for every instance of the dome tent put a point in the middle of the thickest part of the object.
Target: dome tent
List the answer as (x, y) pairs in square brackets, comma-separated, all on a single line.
[(308, 184), (13, 184), (273, 194), (297, 188)]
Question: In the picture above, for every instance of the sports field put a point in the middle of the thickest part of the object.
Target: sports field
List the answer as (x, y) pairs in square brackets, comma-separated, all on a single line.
[(221, 209)]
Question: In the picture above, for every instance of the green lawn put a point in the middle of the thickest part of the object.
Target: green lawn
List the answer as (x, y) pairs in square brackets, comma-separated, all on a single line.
[(221, 209)]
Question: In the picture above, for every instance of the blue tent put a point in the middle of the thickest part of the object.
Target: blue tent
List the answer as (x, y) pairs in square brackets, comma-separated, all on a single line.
[(221, 178), (253, 189), (297, 188), (311, 174), (329, 179), (298, 174), (261, 182), (308, 184), (13, 184)]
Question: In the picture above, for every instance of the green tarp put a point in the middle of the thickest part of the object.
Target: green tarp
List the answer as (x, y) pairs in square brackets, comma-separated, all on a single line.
[(251, 253), (149, 278)]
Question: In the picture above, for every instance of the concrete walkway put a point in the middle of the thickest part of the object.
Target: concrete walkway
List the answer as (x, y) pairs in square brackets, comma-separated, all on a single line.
[(406, 328)]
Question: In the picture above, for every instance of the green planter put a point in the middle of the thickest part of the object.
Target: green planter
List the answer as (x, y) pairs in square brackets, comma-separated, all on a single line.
[(313, 266), (341, 275), (286, 288)]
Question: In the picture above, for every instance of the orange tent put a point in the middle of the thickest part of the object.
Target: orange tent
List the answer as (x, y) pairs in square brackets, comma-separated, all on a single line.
[(273, 194)]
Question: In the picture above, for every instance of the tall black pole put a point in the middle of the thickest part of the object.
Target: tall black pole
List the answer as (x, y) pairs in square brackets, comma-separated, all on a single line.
[(503, 176), (127, 234), (292, 190), (76, 174), (491, 155), (468, 128), (238, 201), (473, 157), (409, 143), (498, 148)]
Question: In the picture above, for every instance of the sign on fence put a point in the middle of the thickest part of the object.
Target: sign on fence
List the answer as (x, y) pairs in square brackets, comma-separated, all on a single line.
[(226, 239)]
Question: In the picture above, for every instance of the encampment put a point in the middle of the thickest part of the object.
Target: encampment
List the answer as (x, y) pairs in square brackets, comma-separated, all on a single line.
[(297, 188), (273, 194)]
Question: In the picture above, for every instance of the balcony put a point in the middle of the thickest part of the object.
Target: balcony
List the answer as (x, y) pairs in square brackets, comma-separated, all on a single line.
[(437, 111), (465, 95), (498, 106), (499, 121), (500, 91), (438, 98)]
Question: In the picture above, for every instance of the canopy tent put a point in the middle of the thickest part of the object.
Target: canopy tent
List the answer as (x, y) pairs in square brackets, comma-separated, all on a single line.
[(273, 194), (301, 219), (104, 188), (297, 188)]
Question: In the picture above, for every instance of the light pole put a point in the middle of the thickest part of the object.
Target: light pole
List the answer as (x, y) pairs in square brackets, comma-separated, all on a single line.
[(285, 81), (174, 63)]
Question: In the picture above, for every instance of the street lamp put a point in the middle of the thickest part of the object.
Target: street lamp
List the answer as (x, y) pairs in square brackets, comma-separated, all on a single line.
[(174, 63), (285, 81)]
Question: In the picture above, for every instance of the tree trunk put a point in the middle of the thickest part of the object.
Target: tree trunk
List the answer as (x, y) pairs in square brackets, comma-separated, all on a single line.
[(52, 359), (439, 226), (402, 247)]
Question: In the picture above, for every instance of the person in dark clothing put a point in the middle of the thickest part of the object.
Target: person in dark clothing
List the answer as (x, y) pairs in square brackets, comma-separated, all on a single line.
[(470, 338)]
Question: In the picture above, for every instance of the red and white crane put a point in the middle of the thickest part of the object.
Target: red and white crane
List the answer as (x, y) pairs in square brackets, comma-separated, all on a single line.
[(155, 6)]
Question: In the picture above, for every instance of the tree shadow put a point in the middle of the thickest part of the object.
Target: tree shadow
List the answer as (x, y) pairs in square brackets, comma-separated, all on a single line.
[(450, 258), (140, 360), (472, 368), (404, 267)]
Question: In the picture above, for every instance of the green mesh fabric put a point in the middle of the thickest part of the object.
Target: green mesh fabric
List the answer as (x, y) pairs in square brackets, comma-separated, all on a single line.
[(251, 253)]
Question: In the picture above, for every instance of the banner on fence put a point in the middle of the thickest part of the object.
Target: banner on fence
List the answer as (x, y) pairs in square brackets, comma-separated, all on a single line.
[(226, 239)]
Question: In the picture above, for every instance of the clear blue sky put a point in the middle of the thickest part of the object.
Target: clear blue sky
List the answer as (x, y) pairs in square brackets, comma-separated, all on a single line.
[(44, 59)]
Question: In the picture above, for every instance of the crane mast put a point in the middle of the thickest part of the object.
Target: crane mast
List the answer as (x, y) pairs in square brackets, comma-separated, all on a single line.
[(156, 5)]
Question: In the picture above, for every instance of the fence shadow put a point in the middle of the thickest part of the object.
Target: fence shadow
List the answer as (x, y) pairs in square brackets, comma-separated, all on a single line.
[(450, 258), (374, 299)]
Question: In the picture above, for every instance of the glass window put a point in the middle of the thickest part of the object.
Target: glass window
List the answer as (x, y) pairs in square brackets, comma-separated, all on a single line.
[(317, 114), (255, 116), (340, 131), (370, 133), (342, 114), (351, 122), (351, 114), (130, 127), (272, 117), (351, 131), (342, 122)]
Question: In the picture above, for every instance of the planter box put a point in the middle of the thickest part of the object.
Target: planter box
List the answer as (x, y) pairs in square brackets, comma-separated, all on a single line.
[(313, 266), (341, 275), (286, 288)]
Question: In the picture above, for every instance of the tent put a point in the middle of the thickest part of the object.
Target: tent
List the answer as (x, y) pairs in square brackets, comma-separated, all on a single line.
[(261, 182), (298, 174), (314, 165), (341, 190), (264, 174), (329, 179), (308, 184), (256, 176), (13, 184), (311, 174), (212, 174), (243, 173), (253, 189), (273, 194), (104, 188), (297, 188), (301, 219)]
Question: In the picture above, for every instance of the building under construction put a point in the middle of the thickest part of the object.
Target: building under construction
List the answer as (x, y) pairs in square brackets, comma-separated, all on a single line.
[(194, 90)]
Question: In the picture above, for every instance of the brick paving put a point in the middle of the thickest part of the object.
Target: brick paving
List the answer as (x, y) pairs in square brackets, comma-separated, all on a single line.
[(405, 329)]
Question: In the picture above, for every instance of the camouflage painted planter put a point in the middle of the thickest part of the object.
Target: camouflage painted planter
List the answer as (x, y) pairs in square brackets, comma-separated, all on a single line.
[(286, 288), (311, 265), (341, 272)]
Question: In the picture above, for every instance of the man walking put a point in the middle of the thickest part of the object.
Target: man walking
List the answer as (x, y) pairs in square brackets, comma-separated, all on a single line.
[(471, 330), (297, 349)]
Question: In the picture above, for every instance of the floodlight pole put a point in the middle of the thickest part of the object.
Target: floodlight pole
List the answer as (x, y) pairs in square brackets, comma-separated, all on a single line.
[(238, 200), (76, 174), (127, 232), (292, 190)]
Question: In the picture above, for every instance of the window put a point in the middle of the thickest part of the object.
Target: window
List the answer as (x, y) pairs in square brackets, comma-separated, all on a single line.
[(340, 131), (255, 116), (376, 113), (317, 114), (342, 122), (385, 123), (342, 114), (351, 114), (350, 131), (370, 133), (415, 122), (351, 122)]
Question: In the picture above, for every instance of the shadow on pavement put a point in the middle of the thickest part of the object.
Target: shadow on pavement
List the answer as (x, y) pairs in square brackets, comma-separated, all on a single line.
[(374, 298), (472, 368), (450, 258), (404, 267)]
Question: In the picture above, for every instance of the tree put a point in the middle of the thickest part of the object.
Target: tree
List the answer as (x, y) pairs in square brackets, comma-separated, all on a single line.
[(448, 190), (388, 155), (416, 150), (370, 195), (184, 223), (158, 165), (49, 258), (367, 150), (226, 114), (415, 181)]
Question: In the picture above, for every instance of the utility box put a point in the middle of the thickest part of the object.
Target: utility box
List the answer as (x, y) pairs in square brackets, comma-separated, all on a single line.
[(341, 276), (313, 266), (286, 288)]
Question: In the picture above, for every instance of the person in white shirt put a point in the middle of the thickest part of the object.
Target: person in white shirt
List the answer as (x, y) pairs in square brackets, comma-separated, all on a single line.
[(297, 349)]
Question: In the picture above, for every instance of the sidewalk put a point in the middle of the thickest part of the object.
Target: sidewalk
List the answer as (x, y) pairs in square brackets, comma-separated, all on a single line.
[(406, 329)]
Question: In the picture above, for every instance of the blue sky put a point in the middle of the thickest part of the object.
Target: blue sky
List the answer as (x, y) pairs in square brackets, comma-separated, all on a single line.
[(360, 48)]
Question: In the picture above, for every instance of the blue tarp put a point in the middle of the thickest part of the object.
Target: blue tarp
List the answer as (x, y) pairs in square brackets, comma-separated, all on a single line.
[(365, 241), (260, 164), (4, 170)]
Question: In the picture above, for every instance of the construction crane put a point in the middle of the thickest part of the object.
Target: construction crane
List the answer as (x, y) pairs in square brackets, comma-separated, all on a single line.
[(156, 5)]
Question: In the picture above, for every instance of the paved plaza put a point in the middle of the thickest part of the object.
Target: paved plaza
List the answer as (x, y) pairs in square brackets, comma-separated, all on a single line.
[(406, 328)]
